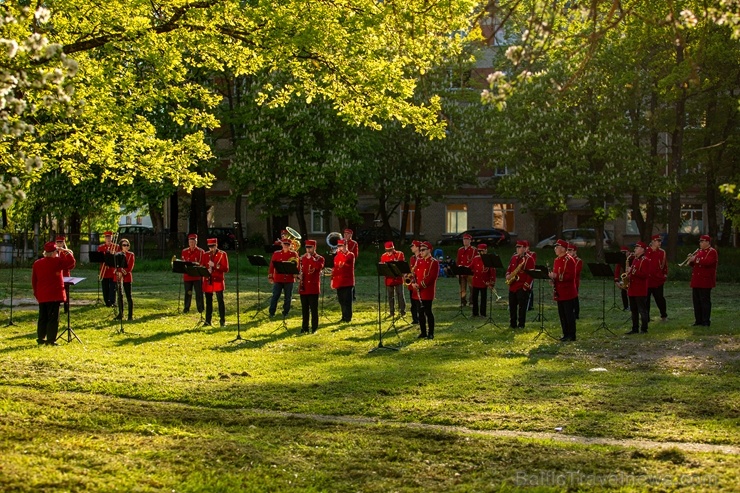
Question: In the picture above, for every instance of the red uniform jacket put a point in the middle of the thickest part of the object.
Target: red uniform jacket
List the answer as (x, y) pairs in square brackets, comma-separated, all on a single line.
[(343, 273), (353, 247), (195, 256), (216, 282), (64, 253), (310, 268), (395, 256), (46, 278), (638, 274), (483, 276), (525, 280), (281, 256), (564, 284), (426, 271), (659, 267), (108, 272), (704, 269), (465, 256), (579, 268), (130, 260)]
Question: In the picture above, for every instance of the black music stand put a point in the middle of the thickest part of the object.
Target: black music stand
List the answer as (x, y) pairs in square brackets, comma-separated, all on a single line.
[(258, 261), (70, 281), (459, 270), (117, 261), (386, 271), (99, 258), (603, 271), (615, 258), (180, 267), (287, 268), (492, 261), (541, 272)]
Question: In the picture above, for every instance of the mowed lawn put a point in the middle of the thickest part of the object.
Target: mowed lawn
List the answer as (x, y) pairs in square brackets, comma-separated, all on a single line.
[(169, 405)]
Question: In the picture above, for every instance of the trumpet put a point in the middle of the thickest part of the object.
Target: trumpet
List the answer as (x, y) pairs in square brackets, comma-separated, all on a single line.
[(688, 258)]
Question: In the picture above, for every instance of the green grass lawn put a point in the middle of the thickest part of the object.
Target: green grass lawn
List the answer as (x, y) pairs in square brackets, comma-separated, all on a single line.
[(172, 406)]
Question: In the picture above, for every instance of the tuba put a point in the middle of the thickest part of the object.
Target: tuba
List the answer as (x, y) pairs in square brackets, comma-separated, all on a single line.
[(295, 238), (333, 245)]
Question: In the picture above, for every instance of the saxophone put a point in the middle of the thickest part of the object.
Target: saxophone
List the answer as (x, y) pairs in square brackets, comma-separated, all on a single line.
[(514, 276), (624, 278)]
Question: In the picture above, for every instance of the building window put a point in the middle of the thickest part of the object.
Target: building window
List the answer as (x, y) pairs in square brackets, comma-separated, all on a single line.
[(139, 220), (410, 220), (692, 219), (501, 171), (128, 220), (317, 221), (457, 218), (503, 217), (631, 225)]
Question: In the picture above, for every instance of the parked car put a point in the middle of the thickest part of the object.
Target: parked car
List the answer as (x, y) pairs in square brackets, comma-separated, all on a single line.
[(492, 237), (376, 235), (226, 237), (580, 237), (135, 229)]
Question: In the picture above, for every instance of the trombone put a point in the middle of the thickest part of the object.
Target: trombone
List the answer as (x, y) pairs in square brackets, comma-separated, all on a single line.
[(689, 257)]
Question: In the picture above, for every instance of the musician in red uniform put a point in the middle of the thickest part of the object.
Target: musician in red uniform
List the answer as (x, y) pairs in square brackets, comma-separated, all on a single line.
[(61, 243), (563, 277), (107, 274), (193, 253), (484, 278), (424, 288), (353, 247), (533, 254), (343, 278), (217, 263), (618, 270), (520, 284), (703, 264), (573, 252), (281, 283), (48, 289), (638, 274), (658, 276), (124, 279), (309, 286), (465, 256), (415, 244), (394, 285)]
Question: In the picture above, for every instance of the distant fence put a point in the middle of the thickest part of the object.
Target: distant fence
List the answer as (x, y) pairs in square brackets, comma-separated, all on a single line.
[(26, 247)]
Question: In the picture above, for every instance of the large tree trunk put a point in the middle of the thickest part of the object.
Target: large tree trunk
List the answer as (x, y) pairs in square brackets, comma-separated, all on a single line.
[(199, 215), (676, 166)]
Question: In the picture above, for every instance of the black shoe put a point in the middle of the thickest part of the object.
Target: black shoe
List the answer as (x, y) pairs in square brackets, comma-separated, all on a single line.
[(520, 327), (696, 324), (223, 324), (564, 339), (633, 331), (51, 343), (644, 331), (422, 336), (403, 314), (512, 326), (185, 312), (118, 317), (313, 331), (130, 317), (207, 324), (304, 331), (430, 336), (40, 342)]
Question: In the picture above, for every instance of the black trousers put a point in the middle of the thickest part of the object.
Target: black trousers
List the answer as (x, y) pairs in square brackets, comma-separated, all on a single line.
[(426, 318), (702, 298), (518, 305), (191, 286), (129, 300), (479, 294), (109, 291), (310, 309), (640, 315), (567, 314), (221, 307), (393, 292), (414, 311), (577, 308), (344, 296), (625, 298), (657, 294), (48, 324)]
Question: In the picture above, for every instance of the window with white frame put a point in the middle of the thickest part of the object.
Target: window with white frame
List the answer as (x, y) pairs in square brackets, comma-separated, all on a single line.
[(692, 219), (410, 220), (501, 170), (457, 218), (631, 225), (317, 221), (503, 217)]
